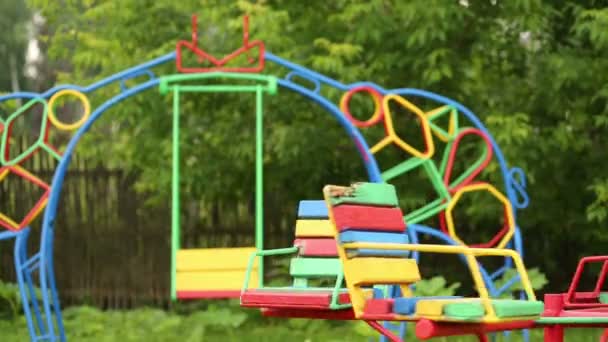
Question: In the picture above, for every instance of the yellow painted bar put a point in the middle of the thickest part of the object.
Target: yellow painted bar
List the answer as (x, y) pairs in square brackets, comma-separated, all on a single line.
[(314, 228), (377, 271), (213, 280), (214, 259)]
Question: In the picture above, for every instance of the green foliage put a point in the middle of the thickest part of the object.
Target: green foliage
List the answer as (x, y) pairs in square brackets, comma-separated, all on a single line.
[(11, 303), (10, 299), (538, 280), (436, 286), (225, 322), (14, 17), (598, 210), (88, 324)]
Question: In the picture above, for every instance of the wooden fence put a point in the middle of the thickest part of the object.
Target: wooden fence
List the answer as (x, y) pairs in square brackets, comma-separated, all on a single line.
[(112, 249)]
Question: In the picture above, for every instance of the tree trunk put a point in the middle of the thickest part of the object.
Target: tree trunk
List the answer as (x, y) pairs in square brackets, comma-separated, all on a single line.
[(12, 61)]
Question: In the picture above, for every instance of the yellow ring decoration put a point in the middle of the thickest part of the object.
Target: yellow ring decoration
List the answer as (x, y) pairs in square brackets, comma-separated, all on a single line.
[(494, 192), (63, 126)]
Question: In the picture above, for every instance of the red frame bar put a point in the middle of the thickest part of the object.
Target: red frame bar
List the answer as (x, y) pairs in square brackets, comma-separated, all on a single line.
[(385, 332), (452, 157), (571, 296), (220, 63)]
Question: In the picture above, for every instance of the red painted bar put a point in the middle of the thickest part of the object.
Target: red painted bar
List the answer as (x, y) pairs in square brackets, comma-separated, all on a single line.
[(359, 217), (290, 299), (378, 306), (572, 325), (317, 247), (219, 64), (595, 312), (384, 331), (554, 304), (208, 294), (379, 317), (452, 157), (554, 333), (341, 315), (426, 329)]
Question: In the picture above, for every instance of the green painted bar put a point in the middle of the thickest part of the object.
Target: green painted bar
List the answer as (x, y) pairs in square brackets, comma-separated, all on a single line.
[(220, 88), (175, 210), (259, 180), (401, 168), (514, 308), (452, 112), (5, 141), (504, 308), (571, 320), (380, 194), (51, 151), (464, 311), (279, 251), (438, 204), (315, 267), (165, 81)]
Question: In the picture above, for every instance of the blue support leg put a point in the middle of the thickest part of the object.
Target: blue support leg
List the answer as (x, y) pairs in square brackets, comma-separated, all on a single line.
[(24, 267)]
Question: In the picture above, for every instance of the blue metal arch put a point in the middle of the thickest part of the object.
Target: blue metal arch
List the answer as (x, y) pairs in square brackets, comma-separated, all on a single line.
[(46, 246), (513, 186)]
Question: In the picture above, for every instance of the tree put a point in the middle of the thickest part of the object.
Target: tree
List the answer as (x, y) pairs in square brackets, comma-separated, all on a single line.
[(12, 43), (532, 70)]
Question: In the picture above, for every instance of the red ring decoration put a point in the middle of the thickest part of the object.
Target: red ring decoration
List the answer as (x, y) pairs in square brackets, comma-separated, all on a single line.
[(378, 113)]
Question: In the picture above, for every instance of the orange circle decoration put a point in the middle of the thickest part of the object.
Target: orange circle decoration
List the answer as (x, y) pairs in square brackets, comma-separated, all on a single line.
[(378, 112)]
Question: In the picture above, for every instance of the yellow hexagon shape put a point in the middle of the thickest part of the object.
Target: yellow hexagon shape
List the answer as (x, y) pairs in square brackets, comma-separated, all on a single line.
[(393, 137), (497, 194)]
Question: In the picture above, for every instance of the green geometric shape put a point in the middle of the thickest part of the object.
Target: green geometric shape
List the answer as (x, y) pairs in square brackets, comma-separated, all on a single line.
[(315, 267), (438, 204), (603, 298), (379, 194), (5, 144), (453, 118), (504, 308), (402, 167)]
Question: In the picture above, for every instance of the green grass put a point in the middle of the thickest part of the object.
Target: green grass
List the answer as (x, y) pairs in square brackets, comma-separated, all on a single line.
[(220, 323)]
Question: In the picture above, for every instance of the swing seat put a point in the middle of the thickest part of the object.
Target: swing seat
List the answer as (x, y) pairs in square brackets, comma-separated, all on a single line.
[(314, 258), (291, 298), (212, 272)]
